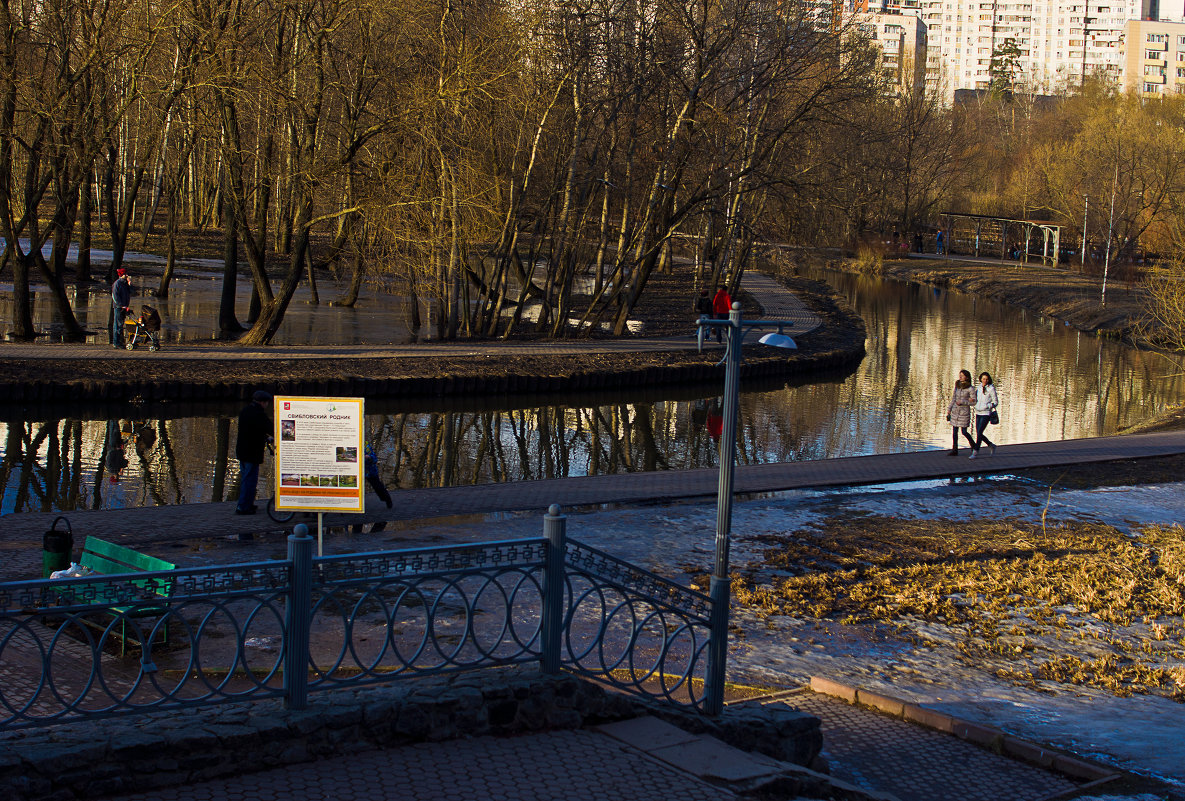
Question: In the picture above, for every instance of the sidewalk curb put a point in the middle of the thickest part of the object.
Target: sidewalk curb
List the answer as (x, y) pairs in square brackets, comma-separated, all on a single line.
[(986, 736)]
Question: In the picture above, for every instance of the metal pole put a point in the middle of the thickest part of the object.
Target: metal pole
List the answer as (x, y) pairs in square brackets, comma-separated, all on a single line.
[(1085, 209), (720, 587), (297, 618), (320, 533), (1110, 226), (552, 625)]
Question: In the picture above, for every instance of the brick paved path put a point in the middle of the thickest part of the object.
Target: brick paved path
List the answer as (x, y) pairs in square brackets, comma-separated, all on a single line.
[(871, 751), (877, 752), (576, 765)]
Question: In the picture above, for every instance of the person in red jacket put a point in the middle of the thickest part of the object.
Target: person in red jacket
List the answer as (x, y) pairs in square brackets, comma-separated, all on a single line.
[(721, 306)]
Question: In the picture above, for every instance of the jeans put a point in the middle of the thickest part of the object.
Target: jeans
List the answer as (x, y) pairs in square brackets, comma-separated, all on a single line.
[(380, 489), (981, 424), (248, 483), (117, 321)]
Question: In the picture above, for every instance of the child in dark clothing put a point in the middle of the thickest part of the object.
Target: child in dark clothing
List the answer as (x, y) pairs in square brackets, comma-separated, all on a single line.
[(150, 321), (371, 467)]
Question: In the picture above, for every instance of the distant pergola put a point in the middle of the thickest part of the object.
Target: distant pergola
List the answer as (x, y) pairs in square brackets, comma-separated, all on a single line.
[(983, 234)]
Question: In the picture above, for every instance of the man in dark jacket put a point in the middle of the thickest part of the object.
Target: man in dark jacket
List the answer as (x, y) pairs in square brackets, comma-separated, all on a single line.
[(121, 304), (255, 431)]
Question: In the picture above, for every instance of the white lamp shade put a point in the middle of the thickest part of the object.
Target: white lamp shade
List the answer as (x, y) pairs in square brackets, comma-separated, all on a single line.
[(776, 340)]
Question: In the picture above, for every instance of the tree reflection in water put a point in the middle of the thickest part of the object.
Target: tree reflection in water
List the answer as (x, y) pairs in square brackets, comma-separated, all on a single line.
[(1055, 383)]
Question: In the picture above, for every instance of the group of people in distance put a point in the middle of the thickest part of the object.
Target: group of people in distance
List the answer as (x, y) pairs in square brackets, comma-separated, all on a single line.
[(716, 307), (984, 401)]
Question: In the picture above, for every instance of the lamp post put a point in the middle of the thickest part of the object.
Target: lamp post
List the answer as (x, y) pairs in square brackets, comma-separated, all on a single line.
[(1085, 209), (720, 590)]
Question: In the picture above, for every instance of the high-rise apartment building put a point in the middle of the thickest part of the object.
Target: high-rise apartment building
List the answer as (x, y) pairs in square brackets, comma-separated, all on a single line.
[(1059, 41), (1152, 58)]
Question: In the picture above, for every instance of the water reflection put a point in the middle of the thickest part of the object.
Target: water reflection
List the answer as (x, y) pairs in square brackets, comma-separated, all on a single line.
[(1054, 383)]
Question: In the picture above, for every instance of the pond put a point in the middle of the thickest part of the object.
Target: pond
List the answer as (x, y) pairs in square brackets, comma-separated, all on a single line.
[(1054, 383)]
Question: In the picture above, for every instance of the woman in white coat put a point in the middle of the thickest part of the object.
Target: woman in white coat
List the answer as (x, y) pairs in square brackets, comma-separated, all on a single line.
[(986, 401)]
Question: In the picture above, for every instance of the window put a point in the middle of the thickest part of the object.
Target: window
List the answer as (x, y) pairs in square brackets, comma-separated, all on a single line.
[(1152, 55), (1153, 69), (1181, 72), (1180, 40), (1151, 88), (1158, 37)]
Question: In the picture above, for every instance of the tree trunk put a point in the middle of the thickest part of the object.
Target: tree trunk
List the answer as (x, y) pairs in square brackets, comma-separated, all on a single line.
[(82, 268)]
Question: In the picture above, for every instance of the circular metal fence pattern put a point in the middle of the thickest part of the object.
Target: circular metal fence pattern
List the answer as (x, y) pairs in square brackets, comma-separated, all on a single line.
[(106, 645), (425, 624)]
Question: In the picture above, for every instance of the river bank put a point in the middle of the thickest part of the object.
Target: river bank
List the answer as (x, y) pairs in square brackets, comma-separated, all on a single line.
[(1062, 294), (224, 374)]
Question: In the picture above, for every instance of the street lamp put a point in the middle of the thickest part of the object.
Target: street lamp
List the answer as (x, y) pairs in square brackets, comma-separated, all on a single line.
[(736, 329)]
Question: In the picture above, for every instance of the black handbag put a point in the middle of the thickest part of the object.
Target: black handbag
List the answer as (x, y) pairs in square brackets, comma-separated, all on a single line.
[(994, 418)]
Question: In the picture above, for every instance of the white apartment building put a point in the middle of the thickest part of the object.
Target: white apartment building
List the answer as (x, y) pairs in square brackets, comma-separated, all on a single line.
[(1060, 41)]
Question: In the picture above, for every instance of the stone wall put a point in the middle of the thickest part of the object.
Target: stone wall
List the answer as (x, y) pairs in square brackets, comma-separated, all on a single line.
[(135, 753)]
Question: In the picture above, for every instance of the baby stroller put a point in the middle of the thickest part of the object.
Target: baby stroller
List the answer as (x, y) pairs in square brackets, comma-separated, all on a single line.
[(146, 326)]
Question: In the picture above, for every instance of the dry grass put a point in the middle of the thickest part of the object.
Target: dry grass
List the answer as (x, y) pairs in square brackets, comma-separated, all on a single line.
[(870, 258), (1082, 604)]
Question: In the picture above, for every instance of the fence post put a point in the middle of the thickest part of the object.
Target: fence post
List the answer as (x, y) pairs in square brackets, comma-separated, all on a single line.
[(298, 618), (554, 529)]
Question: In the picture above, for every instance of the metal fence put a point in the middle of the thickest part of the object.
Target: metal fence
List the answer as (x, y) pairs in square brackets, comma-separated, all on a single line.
[(108, 645)]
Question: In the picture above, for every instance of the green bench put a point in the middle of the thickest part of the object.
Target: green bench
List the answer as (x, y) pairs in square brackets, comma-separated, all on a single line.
[(107, 558)]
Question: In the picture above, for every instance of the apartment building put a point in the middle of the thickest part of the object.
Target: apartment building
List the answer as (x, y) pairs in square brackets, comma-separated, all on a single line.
[(902, 42), (1152, 58), (1059, 41)]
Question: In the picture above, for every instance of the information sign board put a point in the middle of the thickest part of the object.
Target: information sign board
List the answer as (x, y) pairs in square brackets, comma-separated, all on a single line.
[(319, 454)]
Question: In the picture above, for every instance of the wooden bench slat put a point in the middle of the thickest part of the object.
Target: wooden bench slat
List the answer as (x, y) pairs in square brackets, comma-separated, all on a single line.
[(119, 559)]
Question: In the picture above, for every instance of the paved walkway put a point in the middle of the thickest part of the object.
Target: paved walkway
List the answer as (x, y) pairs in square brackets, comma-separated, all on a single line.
[(876, 752), (645, 760), (581, 765), (776, 302), (144, 525)]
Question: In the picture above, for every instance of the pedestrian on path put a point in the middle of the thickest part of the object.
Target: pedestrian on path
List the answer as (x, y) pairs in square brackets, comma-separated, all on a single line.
[(703, 304), (721, 306), (255, 432), (121, 306), (371, 466), (940, 243), (986, 401), (958, 412)]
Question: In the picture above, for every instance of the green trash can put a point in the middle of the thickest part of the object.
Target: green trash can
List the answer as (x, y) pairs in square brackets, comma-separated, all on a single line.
[(56, 548)]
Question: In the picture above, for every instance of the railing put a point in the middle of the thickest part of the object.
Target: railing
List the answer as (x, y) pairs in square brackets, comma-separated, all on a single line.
[(285, 629)]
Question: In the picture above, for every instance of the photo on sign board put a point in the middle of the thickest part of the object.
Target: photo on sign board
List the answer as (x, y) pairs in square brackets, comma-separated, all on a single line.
[(288, 430), (347, 454)]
